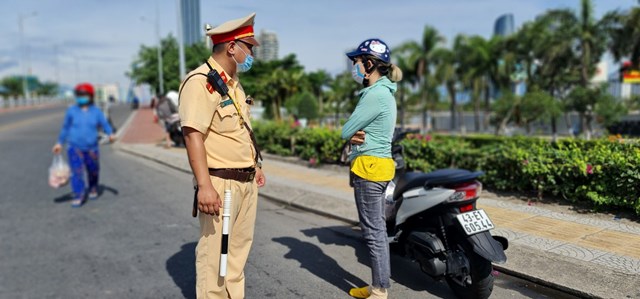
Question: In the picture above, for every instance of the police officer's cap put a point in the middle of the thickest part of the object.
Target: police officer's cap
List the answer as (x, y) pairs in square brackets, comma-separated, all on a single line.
[(238, 29)]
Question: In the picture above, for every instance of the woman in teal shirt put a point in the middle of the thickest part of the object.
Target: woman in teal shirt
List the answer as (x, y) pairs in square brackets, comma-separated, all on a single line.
[(370, 129)]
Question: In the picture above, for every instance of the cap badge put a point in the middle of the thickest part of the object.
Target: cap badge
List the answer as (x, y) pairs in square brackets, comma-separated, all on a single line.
[(378, 47)]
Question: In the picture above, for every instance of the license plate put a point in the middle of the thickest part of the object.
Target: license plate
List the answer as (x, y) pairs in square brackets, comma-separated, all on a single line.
[(475, 222)]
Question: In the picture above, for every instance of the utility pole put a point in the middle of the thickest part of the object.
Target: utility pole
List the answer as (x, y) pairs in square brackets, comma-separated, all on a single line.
[(160, 74), (25, 85), (159, 51), (56, 64), (75, 58), (180, 41)]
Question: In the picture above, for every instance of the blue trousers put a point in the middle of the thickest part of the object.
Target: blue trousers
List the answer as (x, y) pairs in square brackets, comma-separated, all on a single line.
[(78, 161), (370, 203)]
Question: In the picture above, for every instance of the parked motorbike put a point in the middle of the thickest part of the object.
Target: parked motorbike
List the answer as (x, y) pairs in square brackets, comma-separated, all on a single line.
[(432, 218), (175, 130)]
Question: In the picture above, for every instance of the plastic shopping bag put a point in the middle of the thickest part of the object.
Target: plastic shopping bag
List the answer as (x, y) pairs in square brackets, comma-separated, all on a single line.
[(59, 172)]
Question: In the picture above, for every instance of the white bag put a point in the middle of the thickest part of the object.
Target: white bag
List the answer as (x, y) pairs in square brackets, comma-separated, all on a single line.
[(59, 172)]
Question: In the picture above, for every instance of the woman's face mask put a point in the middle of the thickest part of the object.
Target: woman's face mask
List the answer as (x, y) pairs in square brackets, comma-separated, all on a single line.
[(82, 100), (356, 73), (246, 65)]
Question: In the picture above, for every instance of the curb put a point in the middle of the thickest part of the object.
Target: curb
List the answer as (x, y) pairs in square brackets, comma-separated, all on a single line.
[(545, 283), (531, 266)]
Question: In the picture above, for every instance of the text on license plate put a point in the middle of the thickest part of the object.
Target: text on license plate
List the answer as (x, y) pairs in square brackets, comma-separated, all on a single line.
[(475, 221)]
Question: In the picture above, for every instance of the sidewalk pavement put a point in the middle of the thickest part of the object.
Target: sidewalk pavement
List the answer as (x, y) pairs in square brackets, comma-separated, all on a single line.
[(585, 254)]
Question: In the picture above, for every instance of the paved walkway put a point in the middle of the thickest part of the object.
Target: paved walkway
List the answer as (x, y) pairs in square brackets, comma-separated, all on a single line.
[(142, 128), (588, 254)]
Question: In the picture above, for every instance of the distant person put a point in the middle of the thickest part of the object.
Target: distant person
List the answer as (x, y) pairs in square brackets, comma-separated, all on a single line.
[(135, 103), (80, 132), (223, 156), (370, 129), (295, 121), (166, 110)]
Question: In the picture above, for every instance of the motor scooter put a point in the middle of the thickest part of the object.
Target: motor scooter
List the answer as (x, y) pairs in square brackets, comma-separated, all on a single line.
[(432, 218)]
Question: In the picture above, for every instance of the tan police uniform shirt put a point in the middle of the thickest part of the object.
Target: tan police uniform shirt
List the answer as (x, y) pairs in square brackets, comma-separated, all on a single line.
[(227, 142)]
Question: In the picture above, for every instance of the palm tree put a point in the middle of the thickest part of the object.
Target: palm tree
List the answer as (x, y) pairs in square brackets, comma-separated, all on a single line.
[(318, 81), (477, 63), (556, 65), (342, 94), (409, 78), (447, 72), (589, 36), (420, 55), (624, 31)]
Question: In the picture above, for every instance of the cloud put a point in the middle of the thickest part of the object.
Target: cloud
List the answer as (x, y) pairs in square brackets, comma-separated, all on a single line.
[(7, 62), (85, 44)]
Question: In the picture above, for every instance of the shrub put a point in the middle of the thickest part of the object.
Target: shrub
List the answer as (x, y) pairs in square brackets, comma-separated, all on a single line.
[(604, 172)]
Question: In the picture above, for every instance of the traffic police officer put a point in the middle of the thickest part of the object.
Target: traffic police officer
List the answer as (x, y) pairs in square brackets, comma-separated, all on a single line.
[(223, 156)]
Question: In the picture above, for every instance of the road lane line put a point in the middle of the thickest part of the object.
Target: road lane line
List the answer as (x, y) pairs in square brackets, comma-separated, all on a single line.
[(30, 121)]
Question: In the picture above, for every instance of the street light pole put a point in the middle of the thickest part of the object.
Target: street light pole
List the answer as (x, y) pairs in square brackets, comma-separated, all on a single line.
[(75, 58), (25, 87), (180, 41), (57, 64), (160, 74), (159, 50)]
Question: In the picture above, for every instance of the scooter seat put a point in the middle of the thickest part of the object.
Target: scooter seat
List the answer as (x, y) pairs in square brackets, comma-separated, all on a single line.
[(435, 178)]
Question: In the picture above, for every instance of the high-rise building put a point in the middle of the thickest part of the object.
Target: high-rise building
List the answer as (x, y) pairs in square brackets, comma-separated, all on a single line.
[(504, 25), (268, 49), (191, 27)]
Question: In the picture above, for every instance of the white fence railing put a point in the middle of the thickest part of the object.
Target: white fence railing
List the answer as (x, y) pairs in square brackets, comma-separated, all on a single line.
[(9, 103)]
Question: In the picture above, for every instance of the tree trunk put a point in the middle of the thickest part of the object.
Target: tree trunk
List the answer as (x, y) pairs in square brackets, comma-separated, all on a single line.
[(505, 121), (337, 115), (476, 115), (321, 109), (588, 119), (274, 110), (554, 129), (567, 120), (461, 121), (402, 108), (583, 126), (487, 106), (476, 105), (452, 95), (425, 129)]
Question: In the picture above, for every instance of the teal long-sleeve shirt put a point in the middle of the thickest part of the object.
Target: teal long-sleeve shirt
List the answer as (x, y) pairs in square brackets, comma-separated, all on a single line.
[(375, 114)]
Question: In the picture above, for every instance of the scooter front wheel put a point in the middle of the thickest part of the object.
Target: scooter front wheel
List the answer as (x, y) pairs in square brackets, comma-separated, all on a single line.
[(481, 284)]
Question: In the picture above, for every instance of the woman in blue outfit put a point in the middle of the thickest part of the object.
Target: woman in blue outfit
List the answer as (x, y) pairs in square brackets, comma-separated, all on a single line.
[(370, 130), (80, 133)]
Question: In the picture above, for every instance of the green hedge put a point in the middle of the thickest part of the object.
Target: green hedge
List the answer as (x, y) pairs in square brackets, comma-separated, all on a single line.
[(604, 172)]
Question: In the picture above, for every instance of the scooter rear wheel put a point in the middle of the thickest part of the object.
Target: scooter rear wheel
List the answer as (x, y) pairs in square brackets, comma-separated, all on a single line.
[(481, 279)]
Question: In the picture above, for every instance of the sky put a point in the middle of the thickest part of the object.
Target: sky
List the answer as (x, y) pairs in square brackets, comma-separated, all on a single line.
[(96, 40)]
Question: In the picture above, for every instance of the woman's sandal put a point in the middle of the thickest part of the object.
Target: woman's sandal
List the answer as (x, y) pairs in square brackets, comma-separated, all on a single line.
[(78, 202)]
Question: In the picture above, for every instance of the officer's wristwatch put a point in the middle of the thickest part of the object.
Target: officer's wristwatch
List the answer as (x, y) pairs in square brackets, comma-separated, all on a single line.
[(259, 164)]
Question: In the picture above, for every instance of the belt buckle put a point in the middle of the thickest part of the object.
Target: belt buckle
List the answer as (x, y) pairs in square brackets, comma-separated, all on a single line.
[(251, 177)]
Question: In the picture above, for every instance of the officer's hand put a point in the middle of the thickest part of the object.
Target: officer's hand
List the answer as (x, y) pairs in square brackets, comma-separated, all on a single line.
[(112, 138), (357, 138), (261, 180), (57, 148), (209, 201)]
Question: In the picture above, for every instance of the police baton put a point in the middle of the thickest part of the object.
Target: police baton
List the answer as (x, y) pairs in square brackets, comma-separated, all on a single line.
[(224, 249)]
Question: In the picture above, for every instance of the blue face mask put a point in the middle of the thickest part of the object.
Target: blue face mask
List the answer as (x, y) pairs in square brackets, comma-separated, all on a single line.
[(82, 100), (356, 74), (246, 65)]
